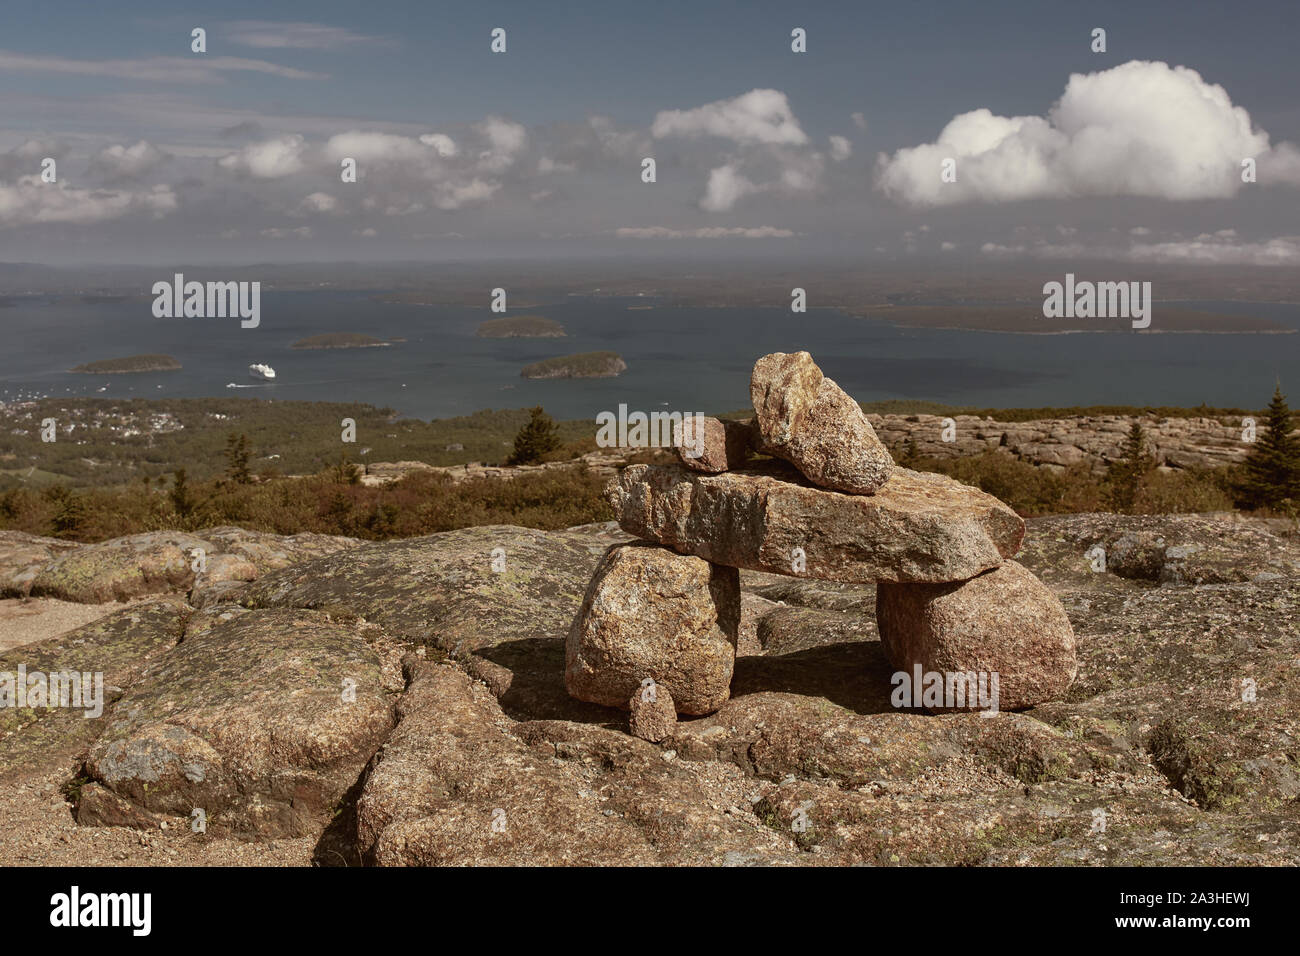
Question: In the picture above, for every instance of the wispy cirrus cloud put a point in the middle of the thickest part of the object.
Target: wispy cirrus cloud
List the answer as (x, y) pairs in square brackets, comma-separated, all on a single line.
[(155, 69), (704, 232), (1223, 247), (275, 35)]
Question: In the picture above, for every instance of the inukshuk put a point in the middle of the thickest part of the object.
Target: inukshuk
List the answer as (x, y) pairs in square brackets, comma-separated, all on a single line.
[(663, 613)]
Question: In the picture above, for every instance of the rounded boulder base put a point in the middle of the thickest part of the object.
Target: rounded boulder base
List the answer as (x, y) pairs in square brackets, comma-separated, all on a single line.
[(650, 612), (653, 713), (1004, 622)]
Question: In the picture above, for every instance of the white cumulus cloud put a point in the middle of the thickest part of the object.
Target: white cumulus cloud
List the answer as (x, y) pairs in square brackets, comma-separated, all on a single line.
[(126, 162), (432, 166), (318, 202), (1140, 129), (442, 144), (301, 232), (726, 187), (1219, 249), (32, 201), (269, 159), (506, 140), (769, 152), (759, 116), (370, 147)]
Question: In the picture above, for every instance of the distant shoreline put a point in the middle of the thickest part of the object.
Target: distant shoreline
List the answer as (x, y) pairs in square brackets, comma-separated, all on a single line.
[(1119, 331), (1015, 321)]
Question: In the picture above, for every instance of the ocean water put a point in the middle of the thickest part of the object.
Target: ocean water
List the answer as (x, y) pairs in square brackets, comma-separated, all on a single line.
[(686, 359)]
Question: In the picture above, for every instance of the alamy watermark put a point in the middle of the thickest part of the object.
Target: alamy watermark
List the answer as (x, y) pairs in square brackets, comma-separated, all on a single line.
[(75, 908), (69, 690), (1098, 300), (946, 689), (208, 300), (651, 430)]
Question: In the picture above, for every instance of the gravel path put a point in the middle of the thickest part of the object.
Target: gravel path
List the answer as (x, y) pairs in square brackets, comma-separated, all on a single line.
[(24, 621)]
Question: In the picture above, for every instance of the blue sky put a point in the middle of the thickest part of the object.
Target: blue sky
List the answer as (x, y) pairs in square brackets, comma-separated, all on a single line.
[(231, 153)]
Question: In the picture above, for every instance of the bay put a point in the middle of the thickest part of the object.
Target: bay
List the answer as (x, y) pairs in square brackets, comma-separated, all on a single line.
[(687, 359)]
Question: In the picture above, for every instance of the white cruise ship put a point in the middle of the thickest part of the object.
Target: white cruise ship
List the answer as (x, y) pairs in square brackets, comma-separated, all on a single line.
[(264, 372)]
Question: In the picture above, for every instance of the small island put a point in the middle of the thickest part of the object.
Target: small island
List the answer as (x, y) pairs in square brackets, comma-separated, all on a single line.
[(132, 363), (339, 340), (582, 365), (521, 327)]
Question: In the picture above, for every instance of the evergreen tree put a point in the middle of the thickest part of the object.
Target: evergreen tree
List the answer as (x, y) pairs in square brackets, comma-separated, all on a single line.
[(180, 495), (11, 503), (71, 514), (537, 438), (344, 472), (1270, 474), (1127, 474), (237, 457)]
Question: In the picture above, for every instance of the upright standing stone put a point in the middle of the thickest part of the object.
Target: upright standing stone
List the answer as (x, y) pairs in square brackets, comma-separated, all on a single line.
[(650, 612), (808, 420)]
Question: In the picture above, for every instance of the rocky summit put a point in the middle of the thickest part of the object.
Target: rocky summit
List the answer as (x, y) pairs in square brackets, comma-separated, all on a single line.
[(403, 703), (750, 667)]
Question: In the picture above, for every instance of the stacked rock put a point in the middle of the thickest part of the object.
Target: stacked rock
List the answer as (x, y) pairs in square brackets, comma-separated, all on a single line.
[(831, 505)]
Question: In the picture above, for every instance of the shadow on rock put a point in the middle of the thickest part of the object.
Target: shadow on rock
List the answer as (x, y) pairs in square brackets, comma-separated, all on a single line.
[(853, 675), (527, 677)]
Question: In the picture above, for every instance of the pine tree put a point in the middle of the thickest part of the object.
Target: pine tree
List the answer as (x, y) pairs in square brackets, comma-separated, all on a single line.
[(182, 501), (11, 503), (1270, 475), (537, 438), (71, 516), (1126, 475), (344, 472), (237, 457), (910, 453)]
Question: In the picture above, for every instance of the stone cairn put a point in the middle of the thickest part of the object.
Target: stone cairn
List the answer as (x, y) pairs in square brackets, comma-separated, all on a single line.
[(658, 626)]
